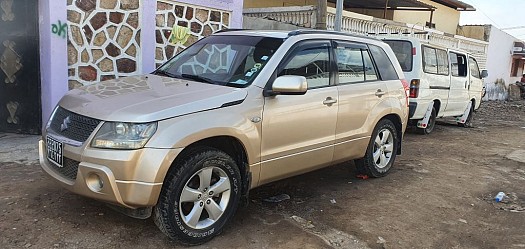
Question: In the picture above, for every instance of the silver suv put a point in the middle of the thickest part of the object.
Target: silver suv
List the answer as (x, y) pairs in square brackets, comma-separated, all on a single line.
[(234, 111)]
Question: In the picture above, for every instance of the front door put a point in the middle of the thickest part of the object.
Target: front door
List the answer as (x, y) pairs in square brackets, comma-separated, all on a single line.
[(20, 109), (298, 130)]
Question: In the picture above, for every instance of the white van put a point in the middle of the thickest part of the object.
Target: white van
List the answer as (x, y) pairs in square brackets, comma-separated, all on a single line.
[(443, 82)]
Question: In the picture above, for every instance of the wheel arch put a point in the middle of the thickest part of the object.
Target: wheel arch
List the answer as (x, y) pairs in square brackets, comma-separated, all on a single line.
[(399, 128)]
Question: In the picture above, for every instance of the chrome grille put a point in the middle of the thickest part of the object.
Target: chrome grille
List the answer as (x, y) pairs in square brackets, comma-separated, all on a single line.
[(69, 170), (79, 127)]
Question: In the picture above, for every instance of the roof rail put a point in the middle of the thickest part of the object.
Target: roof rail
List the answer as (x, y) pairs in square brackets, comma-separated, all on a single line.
[(328, 32), (228, 30)]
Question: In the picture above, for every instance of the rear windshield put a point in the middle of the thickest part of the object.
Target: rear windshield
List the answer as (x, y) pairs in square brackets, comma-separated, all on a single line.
[(403, 51)]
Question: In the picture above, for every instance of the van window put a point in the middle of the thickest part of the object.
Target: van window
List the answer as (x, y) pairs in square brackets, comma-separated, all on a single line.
[(383, 63), (442, 59), (403, 52), (458, 64), (429, 60), (354, 65), (474, 69)]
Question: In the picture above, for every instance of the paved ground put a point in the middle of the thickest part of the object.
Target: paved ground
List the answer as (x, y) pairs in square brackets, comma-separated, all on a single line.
[(438, 195)]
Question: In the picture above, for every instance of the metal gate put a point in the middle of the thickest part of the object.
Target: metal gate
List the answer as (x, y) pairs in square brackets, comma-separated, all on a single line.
[(20, 105)]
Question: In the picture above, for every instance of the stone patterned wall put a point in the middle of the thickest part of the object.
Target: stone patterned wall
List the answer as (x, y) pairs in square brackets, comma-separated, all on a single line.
[(103, 40), (180, 25)]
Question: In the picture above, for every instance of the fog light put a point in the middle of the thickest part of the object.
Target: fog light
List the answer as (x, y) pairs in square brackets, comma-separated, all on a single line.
[(94, 182)]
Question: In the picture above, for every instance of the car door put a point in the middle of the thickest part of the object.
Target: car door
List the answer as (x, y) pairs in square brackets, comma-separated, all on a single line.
[(298, 130), (360, 94), (476, 83), (458, 96)]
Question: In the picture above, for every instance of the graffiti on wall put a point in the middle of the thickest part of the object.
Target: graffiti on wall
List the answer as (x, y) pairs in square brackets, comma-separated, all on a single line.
[(59, 29), (7, 7)]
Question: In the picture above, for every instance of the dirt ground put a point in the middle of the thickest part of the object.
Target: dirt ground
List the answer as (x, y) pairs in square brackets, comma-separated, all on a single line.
[(438, 195)]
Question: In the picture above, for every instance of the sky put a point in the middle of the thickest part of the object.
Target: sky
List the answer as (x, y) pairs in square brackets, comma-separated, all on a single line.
[(503, 14)]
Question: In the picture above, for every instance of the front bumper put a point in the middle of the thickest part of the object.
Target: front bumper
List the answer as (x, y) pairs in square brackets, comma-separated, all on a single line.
[(128, 178)]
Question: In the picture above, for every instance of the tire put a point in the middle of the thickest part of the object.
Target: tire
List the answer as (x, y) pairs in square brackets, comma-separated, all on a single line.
[(431, 124), (468, 122), (187, 211), (387, 149)]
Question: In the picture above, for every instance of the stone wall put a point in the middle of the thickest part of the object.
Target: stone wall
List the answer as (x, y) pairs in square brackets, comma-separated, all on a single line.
[(179, 25), (103, 40)]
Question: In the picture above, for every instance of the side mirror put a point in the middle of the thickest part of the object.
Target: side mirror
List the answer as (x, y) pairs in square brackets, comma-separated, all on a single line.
[(484, 73), (288, 85)]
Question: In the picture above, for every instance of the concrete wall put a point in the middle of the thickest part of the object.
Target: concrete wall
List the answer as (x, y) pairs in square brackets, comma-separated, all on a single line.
[(277, 3), (479, 32), (265, 24), (445, 18)]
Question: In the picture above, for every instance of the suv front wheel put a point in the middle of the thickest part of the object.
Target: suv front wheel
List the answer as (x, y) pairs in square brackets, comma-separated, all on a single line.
[(199, 197), (381, 152)]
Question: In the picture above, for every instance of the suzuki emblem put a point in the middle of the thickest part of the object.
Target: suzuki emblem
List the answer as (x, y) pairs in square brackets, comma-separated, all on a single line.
[(65, 124)]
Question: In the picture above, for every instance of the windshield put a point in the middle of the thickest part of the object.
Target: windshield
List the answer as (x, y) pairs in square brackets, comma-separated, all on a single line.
[(223, 60)]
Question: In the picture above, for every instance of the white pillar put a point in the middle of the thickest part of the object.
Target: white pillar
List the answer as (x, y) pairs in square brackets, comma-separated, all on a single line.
[(148, 40), (53, 55)]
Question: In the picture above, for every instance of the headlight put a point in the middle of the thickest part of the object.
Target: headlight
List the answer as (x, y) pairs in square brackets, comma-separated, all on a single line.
[(116, 135)]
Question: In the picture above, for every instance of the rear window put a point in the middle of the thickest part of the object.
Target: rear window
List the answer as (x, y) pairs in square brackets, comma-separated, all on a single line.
[(403, 52), (384, 65)]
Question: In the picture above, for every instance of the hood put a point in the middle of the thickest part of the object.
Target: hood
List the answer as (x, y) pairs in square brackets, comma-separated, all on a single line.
[(148, 98)]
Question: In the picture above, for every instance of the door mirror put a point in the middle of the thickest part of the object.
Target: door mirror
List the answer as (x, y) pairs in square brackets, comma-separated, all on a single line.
[(484, 73), (288, 85)]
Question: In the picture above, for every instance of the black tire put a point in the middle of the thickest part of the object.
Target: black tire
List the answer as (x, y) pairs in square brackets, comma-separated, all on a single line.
[(370, 166), (468, 122), (171, 212), (431, 124)]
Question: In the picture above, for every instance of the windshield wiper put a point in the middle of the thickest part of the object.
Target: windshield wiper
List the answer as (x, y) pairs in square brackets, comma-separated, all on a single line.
[(166, 73), (199, 78)]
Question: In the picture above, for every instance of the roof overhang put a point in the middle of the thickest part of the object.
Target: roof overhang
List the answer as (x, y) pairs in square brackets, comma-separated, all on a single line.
[(389, 4), (455, 4)]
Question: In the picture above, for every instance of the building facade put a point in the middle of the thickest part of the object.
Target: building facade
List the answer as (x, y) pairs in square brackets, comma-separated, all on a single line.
[(74, 43)]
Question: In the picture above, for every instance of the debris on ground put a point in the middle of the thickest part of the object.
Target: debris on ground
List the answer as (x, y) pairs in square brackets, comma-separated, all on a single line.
[(277, 198), (333, 201), (361, 176)]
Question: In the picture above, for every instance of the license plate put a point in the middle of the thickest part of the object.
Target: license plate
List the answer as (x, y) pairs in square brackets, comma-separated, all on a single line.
[(54, 151)]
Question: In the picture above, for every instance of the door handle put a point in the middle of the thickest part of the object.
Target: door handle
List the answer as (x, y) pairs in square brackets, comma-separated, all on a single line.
[(380, 93), (329, 101)]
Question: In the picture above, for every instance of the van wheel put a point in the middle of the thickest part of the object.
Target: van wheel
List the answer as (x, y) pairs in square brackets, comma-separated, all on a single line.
[(431, 124), (468, 122), (381, 152), (199, 197)]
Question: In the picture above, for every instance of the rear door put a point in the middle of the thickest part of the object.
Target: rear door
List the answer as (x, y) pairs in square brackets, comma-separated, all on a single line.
[(459, 82), (362, 94)]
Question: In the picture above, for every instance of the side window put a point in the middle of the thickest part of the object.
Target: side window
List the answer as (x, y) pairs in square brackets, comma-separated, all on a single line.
[(429, 60), (350, 65), (458, 64), (384, 65), (370, 71), (312, 62), (442, 59), (474, 69)]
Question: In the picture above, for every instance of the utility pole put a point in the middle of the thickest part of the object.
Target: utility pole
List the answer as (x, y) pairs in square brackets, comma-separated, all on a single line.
[(338, 15)]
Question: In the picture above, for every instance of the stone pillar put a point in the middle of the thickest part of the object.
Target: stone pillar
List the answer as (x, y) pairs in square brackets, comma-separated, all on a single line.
[(53, 54)]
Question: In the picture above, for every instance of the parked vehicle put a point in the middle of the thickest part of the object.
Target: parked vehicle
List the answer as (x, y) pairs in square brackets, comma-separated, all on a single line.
[(443, 82), (234, 111)]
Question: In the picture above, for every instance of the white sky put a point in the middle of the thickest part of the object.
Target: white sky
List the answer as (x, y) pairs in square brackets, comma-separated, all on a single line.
[(500, 13)]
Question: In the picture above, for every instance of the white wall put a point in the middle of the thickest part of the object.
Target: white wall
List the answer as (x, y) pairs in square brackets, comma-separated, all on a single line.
[(499, 56)]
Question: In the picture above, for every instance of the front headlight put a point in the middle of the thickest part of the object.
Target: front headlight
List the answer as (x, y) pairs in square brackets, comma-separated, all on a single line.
[(117, 135)]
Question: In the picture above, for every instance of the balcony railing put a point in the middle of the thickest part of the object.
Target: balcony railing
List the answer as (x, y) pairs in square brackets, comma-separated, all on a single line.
[(305, 16)]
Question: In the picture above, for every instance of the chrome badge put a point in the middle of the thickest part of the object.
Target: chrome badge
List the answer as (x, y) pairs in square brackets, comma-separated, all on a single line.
[(65, 124)]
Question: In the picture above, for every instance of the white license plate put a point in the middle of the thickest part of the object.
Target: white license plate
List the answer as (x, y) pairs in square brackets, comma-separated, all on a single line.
[(54, 151)]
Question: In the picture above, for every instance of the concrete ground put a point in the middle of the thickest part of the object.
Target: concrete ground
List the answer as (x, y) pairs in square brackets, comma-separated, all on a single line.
[(438, 195)]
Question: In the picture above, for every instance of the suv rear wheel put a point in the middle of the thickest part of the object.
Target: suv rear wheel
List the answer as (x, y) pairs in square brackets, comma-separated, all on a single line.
[(199, 197), (381, 152)]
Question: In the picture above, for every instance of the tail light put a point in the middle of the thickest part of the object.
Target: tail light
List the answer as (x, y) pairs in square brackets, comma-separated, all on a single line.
[(406, 87), (414, 88)]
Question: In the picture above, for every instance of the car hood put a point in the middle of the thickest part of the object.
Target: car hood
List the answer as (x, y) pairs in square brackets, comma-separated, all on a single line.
[(148, 98)]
